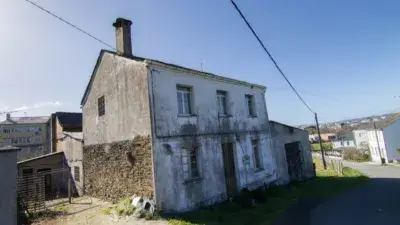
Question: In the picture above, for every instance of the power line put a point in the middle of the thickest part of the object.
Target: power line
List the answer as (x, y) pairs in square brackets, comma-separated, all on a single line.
[(270, 56), (70, 24)]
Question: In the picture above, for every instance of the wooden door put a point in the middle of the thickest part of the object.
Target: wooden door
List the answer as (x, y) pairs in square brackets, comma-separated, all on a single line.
[(229, 168), (293, 160)]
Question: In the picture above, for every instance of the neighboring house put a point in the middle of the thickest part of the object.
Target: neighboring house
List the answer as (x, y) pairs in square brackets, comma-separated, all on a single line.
[(30, 134), (66, 136), (293, 153), (386, 146), (354, 138), (63, 122), (71, 145), (8, 185), (324, 137), (186, 137)]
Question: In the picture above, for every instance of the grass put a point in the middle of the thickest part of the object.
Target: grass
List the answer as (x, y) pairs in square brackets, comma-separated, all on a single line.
[(123, 208), (279, 200), (325, 145), (61, 208)]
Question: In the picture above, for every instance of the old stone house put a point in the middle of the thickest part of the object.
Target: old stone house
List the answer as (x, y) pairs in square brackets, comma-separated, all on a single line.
[(185, 137)]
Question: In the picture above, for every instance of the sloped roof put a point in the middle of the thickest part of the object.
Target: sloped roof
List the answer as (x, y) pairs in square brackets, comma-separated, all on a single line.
[(26, 120), (379, 124), (162, 63), (69, 119)]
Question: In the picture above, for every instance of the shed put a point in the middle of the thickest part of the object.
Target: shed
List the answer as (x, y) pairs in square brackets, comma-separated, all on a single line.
[(293, 153)]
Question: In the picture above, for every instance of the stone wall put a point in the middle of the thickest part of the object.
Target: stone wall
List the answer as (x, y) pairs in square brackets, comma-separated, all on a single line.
[(119, 169)]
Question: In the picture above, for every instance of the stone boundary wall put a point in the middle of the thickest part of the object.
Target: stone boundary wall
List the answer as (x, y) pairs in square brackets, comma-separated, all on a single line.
[(119, 169)]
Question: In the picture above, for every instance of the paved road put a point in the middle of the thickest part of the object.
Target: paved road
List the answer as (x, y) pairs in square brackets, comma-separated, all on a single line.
[(377, 202)]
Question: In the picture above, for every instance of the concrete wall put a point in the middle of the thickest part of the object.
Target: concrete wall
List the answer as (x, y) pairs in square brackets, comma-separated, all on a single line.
[(391, 135), (123, 83), (282, 135), (373, 145), (8, 187), (119, 169), (206, 130), (71, 144)]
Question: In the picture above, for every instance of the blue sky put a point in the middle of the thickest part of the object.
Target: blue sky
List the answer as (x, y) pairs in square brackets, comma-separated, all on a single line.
[(343, 56)]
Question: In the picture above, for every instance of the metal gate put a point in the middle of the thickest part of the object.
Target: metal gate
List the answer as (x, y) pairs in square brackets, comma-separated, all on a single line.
[(46, 188)]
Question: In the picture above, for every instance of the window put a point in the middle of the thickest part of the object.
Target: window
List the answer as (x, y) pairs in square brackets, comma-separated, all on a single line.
[(101, 105), (256, 154), (190, 164), (77, 173), (221, 103), (184, 100), (342, 143), (348, 143), (250, 105)]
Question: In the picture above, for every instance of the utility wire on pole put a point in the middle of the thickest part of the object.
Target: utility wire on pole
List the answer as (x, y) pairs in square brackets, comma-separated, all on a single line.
[(283, 75), (70, 24)]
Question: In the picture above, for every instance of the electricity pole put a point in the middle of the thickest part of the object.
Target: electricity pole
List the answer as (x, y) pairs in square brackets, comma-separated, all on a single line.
[(320, 141), (379, 148)]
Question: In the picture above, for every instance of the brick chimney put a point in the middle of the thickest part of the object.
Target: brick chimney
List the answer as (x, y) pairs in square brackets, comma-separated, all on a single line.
[(8, 117), (123, 36)]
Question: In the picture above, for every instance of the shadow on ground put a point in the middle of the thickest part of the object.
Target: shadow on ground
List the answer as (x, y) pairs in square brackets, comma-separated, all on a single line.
[(285, 205)]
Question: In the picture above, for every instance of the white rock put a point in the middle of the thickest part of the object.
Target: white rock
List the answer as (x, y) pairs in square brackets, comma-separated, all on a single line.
[(137, 202)]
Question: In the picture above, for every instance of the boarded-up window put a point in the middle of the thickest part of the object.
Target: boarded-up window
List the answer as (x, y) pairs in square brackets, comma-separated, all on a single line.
[(77, 173), (256, 154), (101, 104)]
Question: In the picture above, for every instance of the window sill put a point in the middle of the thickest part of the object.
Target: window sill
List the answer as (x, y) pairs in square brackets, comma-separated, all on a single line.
[(185, 116), (193, 180), (225, 116), (252, 117)]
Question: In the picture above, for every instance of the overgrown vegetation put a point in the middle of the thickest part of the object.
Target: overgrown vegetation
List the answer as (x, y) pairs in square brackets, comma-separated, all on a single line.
[(278, 200), (125, 208), (356, 155), (122, 208), (325, 145)]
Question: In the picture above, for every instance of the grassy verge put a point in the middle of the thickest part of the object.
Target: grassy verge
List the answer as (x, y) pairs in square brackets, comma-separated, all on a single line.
[(279, 200)]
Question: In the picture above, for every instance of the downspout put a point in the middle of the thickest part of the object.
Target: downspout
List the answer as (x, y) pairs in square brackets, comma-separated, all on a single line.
[(153, 126)]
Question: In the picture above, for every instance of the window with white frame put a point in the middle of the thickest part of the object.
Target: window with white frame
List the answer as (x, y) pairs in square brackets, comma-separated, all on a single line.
[(184, 95), (190, 164), (222, 103), (250, 105), (256, 154)]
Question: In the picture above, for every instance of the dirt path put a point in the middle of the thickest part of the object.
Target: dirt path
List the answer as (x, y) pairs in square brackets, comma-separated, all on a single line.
[(86, 211)]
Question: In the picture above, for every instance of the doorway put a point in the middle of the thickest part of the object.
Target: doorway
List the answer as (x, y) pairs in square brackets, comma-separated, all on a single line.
[(293, 160), (229, 168)]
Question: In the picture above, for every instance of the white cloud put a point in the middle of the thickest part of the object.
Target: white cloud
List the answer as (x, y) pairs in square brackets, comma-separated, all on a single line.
[(39, 105), (22, 108)]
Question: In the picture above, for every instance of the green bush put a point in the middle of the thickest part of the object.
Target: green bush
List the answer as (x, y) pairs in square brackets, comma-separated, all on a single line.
[(325, 145), (357, 155)]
